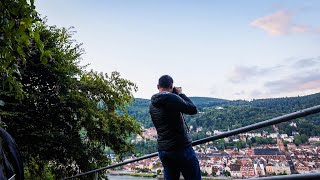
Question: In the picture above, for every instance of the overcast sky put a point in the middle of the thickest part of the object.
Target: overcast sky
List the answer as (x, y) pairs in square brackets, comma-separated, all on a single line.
[(223, 49)]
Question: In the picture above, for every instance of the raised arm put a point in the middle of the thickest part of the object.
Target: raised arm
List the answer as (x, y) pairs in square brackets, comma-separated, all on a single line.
[(180, 103)]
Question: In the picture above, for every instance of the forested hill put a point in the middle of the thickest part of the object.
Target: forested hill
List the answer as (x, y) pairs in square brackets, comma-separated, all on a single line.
[(140, 107), (223, 114)]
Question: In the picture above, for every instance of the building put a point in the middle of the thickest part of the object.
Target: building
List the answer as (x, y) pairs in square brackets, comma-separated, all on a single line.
[(259, 166), (269, 153), (150, 133), (291, 146), (283, 135), (247, 171), (302, 168), (288, 139), (235, 170), (314, 139), (275, 167), (273, 135), (280, 144)]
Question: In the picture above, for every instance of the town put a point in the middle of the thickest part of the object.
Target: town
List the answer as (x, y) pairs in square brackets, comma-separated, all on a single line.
[(258, 161)]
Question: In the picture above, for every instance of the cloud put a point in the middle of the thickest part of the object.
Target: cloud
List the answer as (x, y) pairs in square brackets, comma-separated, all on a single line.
[(242, 73), (305, 63), (300, 82), (300, 29), (240, 93), (279, 23), (275, 24), (255, 93)]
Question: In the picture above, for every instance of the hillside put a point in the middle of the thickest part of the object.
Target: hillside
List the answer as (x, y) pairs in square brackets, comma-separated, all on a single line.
[(235, 114), (140, 108)]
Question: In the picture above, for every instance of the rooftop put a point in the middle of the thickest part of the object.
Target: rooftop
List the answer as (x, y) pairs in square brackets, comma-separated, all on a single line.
[(267, 151)]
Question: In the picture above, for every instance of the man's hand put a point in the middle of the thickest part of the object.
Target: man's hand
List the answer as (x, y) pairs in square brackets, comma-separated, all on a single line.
[(177, 90)]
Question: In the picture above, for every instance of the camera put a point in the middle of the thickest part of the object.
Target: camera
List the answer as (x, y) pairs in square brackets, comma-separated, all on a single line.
[(176, 91)]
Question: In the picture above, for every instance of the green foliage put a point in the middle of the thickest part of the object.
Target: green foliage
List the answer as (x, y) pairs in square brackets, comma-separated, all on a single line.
[(38, 171), (221, 144), (202, 102), (204, 173), (17, 21), (240, 113), (144, 175), (158, 171), (300, 139), (140, 108), (141, 170), (57, 124), (145, 147), (226, 173), (230, 117)]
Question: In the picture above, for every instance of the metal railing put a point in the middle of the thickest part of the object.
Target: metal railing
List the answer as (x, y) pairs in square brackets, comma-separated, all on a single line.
[(273, 121), (11, 166)]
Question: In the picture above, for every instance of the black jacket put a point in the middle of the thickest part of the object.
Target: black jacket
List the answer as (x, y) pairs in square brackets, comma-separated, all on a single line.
[(166, 113)]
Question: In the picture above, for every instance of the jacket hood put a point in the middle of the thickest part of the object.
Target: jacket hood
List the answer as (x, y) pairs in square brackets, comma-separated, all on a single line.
[(161, 98)]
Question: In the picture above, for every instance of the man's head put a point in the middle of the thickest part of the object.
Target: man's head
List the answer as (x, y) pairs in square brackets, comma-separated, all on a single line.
[(165, 83)]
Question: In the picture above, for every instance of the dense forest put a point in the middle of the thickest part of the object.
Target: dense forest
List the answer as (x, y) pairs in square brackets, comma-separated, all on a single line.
[(220, 114)]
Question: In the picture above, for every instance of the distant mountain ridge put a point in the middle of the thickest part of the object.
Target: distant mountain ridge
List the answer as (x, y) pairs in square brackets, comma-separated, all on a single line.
[(238, 113), (140, 107), (198, 101)]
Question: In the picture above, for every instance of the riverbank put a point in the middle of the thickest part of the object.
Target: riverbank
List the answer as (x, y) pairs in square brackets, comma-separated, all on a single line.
[(203, 178), (146, 175), (158, 177), (154, 176)]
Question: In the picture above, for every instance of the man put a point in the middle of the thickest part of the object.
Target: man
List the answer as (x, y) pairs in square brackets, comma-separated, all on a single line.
[(174, 140)]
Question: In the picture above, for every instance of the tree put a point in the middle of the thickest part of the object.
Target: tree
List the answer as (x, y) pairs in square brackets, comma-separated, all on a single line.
[(253, 140), (226, 173), (204, 173), (58, 121), (300, 139), (159, 171), (17, 20)]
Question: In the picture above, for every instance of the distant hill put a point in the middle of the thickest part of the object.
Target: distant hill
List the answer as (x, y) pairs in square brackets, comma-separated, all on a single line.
[(140, 108), (235, 114)]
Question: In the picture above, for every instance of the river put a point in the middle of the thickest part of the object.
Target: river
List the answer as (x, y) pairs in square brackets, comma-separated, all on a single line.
[(117, 177)]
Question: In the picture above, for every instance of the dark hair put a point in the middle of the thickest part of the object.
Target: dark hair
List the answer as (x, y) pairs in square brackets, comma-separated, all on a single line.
[(165, 81)]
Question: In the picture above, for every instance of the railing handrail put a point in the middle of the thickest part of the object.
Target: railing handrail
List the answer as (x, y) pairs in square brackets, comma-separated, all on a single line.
[(269, 122)]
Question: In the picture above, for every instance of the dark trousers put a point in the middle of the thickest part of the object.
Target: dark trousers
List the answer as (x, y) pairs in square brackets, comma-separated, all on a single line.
[(184, 161)]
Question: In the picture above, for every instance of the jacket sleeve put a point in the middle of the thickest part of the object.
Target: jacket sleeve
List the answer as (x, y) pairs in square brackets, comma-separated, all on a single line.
[(181, 103)]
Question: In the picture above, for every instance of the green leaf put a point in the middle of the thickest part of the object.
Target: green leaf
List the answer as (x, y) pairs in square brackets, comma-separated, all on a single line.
[(11, 24), (20, 50), (32, 3), (47, 53), (43, 59), (10, 86), (44, 56), (37, 37), (24, 38)]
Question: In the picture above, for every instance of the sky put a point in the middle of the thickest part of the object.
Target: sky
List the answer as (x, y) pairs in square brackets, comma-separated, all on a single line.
[(223, 49)]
